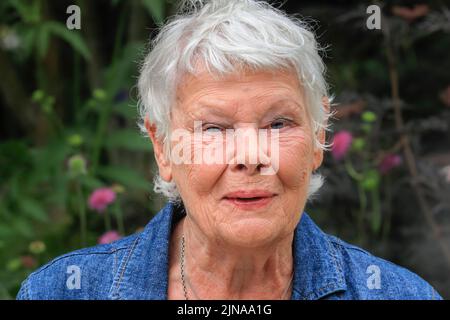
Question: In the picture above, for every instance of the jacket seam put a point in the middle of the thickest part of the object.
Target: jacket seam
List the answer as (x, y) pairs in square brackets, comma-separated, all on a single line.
[(115, 291), (318, 293), (347, 246), (52, 262), (336, 263)]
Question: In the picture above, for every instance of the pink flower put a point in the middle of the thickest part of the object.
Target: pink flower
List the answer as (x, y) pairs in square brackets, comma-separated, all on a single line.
[(411, 14), (389, 162), (28, 261), (109, 237), (101, 198), (341, 143)]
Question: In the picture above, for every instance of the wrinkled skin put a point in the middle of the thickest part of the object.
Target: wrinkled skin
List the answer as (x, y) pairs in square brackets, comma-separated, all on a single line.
[(231, 252)]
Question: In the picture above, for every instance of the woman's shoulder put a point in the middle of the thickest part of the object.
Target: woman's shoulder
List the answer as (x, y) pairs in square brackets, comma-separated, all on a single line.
[(86, 273), (371, 277)]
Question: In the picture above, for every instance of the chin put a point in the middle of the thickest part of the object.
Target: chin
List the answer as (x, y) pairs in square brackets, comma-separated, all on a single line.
[(251, 232)]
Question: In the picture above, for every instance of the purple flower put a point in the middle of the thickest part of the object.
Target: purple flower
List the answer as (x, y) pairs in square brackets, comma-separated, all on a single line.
[(389, 162), (101, 198), (341, 144), (109, 237)]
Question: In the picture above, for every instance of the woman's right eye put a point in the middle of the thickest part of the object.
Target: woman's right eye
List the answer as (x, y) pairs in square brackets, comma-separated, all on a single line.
[(212, 129)]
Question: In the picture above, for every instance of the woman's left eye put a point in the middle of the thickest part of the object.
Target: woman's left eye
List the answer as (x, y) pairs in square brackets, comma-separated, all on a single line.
[(279, 124)]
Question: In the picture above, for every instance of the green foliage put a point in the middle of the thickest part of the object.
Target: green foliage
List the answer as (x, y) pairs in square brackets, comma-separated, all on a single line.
[(85, 139), (156, 9), (37, 32)]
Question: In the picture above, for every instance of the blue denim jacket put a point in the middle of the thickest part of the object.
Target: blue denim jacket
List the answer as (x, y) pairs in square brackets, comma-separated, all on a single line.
[(136, 267)]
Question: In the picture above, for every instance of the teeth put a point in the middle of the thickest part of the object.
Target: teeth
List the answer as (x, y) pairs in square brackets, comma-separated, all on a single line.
[(249, 199)]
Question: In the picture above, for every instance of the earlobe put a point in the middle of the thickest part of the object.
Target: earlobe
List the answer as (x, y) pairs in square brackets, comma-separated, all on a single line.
[(318, 156), (164, 167), (321, 136)]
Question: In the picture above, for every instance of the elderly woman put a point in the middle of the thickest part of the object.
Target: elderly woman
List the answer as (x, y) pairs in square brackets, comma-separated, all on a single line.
[(234, 100)]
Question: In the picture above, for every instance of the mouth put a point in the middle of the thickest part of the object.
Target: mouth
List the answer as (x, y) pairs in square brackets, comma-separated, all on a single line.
[(249, 200)]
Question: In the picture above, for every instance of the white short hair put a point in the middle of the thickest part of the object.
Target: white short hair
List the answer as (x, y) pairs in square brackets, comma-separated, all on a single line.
[(225, 35)]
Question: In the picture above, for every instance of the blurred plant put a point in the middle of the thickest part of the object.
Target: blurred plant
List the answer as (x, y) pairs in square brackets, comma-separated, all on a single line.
[(389, 162), (109, 237), (445, 96), (79, 135), (36, 32), (341, 144), (9, 39), (99, 200), (411, 14)]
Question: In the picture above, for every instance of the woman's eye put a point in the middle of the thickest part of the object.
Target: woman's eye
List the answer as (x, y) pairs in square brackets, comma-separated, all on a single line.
[(213, 129), (278, 124)]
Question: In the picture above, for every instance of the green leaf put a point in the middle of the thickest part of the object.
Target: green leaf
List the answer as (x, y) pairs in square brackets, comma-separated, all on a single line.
[(156, 8), (125, 176), (358, 144), (371, 180), (28, 38), (119, 74), (32, 208), (376, 221), (29, 12), (128, 139), (6, 232), (91, 182), (126, 109), (42, 42), (73, 37), (369, 116), (23, 227)]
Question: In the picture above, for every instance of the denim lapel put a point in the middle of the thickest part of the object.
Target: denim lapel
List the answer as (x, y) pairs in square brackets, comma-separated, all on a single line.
[(318, 268), (143, 272)]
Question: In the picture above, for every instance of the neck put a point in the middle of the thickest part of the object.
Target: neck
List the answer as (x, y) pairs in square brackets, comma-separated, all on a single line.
[(215, 269)]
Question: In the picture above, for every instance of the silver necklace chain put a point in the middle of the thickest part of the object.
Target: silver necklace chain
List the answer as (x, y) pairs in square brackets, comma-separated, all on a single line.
[(184, 278)]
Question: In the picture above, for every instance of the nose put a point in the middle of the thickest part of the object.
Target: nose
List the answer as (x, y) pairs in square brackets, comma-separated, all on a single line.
[(249, 169), (250, 153)]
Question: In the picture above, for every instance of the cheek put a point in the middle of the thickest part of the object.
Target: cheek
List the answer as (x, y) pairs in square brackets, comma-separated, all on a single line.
[(295, 159), (199, 175), (202, 177)]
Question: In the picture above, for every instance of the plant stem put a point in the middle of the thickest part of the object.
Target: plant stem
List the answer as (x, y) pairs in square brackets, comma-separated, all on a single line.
[(98, 142), (107, 220), (351, 170), (376, 212), (76, 81), (407, 149), (362, 210), (82, 212), (119, 218)]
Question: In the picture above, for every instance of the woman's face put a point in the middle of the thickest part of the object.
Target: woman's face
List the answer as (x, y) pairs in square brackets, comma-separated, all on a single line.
[(232, 201)]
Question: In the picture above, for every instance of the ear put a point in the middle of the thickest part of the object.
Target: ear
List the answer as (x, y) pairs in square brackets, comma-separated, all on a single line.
[(165, 169), (321, 135)]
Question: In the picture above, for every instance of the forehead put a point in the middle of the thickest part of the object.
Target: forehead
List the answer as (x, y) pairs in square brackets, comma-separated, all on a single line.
[(255, 88)]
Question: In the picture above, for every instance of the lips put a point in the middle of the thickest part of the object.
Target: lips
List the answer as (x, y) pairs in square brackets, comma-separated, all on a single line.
[(249, 199)]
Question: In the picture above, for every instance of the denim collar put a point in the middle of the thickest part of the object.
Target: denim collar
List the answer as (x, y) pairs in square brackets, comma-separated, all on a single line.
[(143, 272)]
